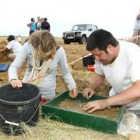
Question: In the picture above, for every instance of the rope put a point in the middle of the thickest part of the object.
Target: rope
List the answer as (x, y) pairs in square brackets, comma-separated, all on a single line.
[(71, 63), (38, 72), (129, 38)]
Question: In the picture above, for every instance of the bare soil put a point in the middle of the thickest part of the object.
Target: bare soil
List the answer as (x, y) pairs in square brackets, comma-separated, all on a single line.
[(77, 106)]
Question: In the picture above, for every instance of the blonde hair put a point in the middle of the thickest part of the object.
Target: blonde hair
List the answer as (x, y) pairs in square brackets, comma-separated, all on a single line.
[(43, 43)]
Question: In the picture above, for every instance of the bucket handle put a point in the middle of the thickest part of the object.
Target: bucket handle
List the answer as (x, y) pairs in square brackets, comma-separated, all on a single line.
[(12, 123), (17, 124)]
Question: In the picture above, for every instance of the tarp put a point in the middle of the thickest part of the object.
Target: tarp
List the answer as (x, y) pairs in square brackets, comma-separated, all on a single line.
[(3, 67)]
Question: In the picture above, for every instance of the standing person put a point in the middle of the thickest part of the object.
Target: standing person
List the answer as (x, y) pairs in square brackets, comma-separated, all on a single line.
[(45, 25), (38, 23), (42, 20), (13, 45), (32, 25), (43, 57), (137, 30)]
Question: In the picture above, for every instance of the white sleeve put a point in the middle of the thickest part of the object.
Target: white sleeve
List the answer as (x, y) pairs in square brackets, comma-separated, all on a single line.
[(65, 71), (17, 63), (134, 67), (10, 45)]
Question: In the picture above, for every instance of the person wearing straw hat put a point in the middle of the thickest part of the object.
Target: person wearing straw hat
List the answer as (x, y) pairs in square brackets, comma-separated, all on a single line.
[(43, 57)]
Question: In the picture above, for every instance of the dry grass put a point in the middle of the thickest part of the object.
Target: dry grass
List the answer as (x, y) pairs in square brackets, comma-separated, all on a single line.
[(47, 129)]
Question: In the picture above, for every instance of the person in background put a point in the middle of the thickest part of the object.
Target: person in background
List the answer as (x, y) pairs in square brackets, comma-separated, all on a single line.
[(137, 30), (13, 45), (118, 63), (38, 23), (32, 25), (43, 57), (42, 20), (45, 25)]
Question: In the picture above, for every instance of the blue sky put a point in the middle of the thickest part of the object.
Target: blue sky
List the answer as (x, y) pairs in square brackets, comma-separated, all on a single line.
[(116, 16)]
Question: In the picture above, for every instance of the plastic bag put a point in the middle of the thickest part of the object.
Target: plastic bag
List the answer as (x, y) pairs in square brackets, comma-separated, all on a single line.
[(129, 125)]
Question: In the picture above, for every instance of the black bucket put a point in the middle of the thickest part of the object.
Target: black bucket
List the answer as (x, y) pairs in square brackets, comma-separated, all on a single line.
[(90, 60), (18, 106)]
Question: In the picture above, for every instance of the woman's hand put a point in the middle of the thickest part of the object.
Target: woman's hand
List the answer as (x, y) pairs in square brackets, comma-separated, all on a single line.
[(88, 93), (16, 83), (73, 93)]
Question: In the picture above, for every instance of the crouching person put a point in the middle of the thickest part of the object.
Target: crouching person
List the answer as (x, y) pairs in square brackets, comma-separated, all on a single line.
[(43, 57), (13, 47), (118, 63)]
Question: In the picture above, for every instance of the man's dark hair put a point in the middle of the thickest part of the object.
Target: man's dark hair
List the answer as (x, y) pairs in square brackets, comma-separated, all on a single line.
[(32, 19), (101, 39), (10, 38), (45, 19)]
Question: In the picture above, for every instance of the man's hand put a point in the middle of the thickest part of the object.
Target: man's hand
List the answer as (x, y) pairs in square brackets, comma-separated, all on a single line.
[(88, 93), (95, 105), (16, 83), (73, 93)]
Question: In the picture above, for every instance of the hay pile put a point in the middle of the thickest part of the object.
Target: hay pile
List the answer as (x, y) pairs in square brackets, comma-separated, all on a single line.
[(3, 56)]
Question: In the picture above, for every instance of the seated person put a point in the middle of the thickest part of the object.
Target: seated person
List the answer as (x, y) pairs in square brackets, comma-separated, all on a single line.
[(13, 45)]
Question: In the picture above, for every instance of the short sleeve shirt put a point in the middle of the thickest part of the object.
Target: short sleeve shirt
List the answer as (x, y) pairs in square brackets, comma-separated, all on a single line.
[(124, 71), (14, 45)]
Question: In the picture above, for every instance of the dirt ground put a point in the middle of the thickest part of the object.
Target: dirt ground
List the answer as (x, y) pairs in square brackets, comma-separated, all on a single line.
[(57, 130), (77, 106)]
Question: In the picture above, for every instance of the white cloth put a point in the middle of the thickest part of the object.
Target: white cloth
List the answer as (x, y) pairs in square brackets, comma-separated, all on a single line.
[(124, 71), (48, 85), (137, 24), (38, 24), (15, 46)]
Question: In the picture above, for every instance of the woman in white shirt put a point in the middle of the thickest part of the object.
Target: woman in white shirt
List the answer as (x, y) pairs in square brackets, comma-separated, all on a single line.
[(43, 57)]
